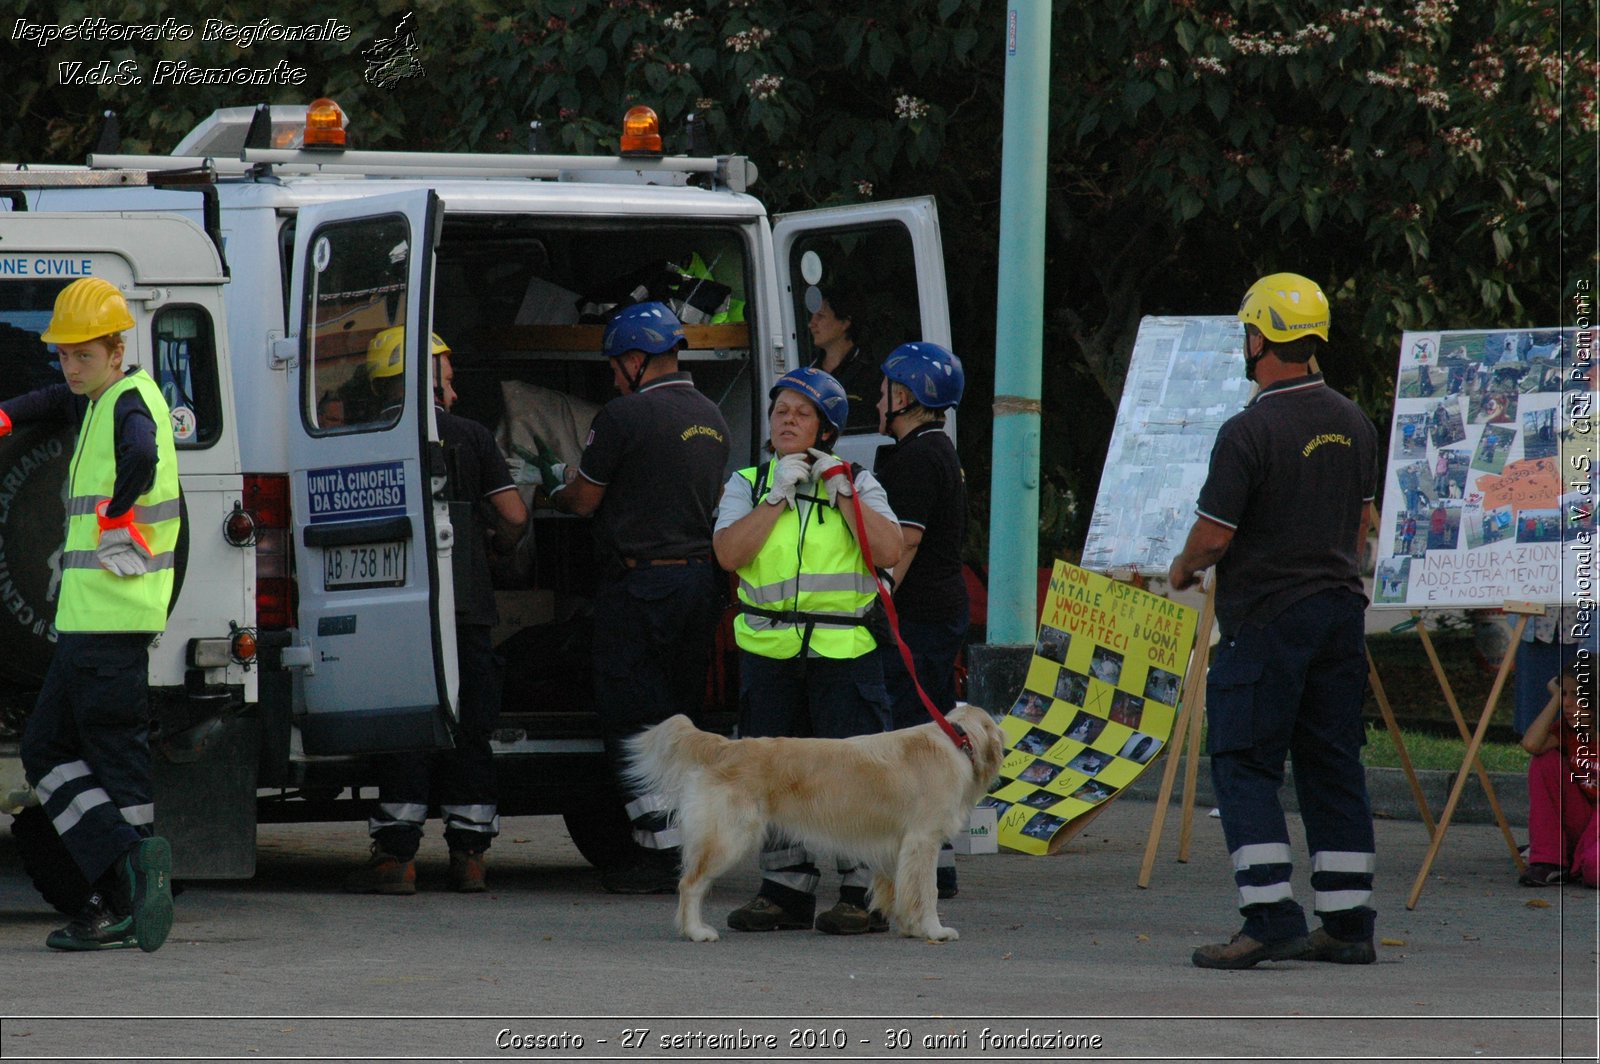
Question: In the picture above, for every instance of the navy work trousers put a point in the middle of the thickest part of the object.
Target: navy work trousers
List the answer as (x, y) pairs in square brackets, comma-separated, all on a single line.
[(934, 646), (653, 628), (824, 698), (1294, 687), (461, 779), (86, 747)]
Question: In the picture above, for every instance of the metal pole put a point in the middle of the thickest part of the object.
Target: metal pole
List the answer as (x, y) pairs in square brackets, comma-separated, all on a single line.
[(1019, 333)]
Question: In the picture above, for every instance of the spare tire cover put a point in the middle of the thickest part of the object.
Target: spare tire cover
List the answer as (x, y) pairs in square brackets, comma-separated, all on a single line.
[(34, 462)]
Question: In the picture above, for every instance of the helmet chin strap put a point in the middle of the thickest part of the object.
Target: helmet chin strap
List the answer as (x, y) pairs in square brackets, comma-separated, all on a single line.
[(890, 415), (633, 381), (1250, 361), (1250, 364)]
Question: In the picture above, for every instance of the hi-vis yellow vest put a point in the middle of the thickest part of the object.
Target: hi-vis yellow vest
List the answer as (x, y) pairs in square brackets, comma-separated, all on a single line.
[(92, 598), (812, 574)]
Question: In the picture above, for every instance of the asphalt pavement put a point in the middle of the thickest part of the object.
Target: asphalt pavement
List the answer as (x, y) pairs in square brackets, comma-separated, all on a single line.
[(1060, 957)]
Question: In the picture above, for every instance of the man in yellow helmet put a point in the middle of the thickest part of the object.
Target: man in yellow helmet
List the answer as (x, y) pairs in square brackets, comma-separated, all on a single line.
[(487, 513), (85, 749), (1283, 515)]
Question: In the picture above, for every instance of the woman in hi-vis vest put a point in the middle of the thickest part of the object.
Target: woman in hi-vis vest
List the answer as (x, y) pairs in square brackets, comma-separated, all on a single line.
[(85, 749), (808, 662)]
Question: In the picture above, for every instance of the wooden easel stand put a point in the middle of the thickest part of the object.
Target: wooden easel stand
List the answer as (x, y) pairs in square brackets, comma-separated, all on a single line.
[(1466, 733), (1473, 745), (1389, 722), (1191, 707)]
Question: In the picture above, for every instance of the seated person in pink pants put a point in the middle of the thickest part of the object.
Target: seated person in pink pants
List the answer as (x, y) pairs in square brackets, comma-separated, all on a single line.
[(1563, 781)]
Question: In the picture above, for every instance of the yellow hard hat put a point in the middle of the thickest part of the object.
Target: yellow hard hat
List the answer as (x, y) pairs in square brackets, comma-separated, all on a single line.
[(386, 355), (1286, 306), (87, 310)]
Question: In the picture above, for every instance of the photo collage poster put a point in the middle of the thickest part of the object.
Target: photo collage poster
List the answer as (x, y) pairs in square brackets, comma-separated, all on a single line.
[(1185, 378), (1098, 706), (1487, 494)]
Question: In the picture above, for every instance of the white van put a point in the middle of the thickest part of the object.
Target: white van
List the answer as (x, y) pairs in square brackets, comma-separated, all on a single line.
[(313, 624)]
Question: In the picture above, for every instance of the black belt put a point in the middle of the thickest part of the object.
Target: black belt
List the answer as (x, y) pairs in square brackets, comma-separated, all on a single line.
[(637, 563)]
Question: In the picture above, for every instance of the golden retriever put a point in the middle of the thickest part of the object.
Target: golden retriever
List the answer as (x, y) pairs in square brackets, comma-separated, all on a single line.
[(889, 800)]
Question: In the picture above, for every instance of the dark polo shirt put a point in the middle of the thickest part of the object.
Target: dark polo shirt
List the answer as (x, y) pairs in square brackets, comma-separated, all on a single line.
[(660, 453), (1290, 474), (922, 475)]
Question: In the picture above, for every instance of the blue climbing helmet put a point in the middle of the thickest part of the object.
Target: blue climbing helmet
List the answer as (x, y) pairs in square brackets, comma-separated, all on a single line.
[(648, 327), (929, 372), (824, 392)]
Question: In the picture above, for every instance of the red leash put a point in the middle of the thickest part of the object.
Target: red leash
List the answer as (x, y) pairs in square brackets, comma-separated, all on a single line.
[(957, 736)]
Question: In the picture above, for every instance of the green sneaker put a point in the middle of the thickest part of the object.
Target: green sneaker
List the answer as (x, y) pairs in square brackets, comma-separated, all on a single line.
[(95, 928), (146, 874)]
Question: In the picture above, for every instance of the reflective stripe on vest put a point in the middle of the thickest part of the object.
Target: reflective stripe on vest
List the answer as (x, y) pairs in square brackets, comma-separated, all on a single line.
[(92, 598), (811, 567)]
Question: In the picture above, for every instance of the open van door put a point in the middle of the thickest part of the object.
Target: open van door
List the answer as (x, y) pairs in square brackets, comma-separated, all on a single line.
[(885, 263), (376, 644)]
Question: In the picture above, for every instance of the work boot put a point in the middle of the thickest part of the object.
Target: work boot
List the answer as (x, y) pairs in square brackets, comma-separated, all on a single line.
[(384, 873), (1242, 951), (656, 872), (467, 871), (945, 880), (1322, 946), (763, 914), (95, 927), (847, 918), (145, 876)]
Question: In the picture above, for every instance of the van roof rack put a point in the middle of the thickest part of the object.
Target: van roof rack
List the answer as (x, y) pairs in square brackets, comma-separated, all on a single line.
[(733, 172), (199, 175)]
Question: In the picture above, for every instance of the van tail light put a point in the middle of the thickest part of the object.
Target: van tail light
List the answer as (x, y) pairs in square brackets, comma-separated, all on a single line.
[(266, 497)]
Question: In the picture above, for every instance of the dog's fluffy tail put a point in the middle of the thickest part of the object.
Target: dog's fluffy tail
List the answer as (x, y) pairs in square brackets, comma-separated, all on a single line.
[(661, 757)]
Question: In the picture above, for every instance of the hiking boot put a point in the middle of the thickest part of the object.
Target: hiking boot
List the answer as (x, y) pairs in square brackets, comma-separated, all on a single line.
[(1544, 875), (846, 918), (145, 874), (384, 873), (1322, 946), (945, 880), (95, 927), (763, 914), (648, 875), (1242, 951), (467, 871)]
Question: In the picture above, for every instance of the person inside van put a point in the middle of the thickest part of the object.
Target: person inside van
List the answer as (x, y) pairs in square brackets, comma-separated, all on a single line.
[(836, 339)]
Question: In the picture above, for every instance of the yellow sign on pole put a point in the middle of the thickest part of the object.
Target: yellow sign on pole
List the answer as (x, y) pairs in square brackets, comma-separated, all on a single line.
[(1098, 706)]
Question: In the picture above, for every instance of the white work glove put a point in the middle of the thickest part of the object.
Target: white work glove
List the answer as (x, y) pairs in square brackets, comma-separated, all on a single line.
[(119, 554), (788, 473), (839, 485), (520, 472)]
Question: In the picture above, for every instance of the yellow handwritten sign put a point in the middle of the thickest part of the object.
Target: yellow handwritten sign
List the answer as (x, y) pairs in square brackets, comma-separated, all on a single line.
[(1098, 706)]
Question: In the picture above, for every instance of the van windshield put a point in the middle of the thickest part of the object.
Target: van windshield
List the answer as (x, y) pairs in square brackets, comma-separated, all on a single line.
[(177, 347)]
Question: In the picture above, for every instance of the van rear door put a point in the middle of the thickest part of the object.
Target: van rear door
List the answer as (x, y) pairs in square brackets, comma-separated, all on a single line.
[(885, 262), (372, 537)]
